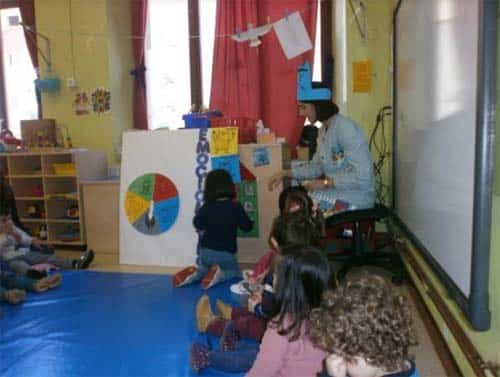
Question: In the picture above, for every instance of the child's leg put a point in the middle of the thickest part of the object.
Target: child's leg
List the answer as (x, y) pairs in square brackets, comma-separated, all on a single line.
[(11, 280), (229, 266)]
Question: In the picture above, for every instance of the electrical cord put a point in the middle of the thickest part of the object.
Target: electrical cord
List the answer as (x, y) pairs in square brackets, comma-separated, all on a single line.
[(378, 146)]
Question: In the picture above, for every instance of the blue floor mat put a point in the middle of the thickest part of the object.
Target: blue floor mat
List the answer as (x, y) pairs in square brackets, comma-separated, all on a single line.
[(105, 324)]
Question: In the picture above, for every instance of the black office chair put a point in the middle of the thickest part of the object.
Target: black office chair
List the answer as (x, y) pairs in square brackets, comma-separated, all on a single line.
[(357, 230)]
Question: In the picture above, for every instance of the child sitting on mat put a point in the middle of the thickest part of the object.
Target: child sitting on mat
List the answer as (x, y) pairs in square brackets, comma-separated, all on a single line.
[(367, 328), (250, 322), (217, 222), (302, 275), (15, 250)]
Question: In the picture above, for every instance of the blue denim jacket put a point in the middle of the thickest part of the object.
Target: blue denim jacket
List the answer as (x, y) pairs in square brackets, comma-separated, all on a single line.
[(344, 156)]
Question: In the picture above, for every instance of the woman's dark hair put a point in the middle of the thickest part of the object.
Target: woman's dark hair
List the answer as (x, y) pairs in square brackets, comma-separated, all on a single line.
[(218, 185), (303, 275), (292, 229), (325, 109)]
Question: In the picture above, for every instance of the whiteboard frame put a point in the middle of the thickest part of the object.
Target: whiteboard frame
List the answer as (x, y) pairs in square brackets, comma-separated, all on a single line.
[(476, 306)]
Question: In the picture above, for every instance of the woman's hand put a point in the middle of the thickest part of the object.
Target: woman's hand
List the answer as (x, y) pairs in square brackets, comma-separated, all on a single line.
[(316, 184), (277, 178)]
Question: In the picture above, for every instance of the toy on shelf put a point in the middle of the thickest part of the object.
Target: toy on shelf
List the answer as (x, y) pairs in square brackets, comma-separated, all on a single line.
[(37, 191), (8, 143), (72, 213), (42, 232), (70, 234), (64, 169), (34, 211)]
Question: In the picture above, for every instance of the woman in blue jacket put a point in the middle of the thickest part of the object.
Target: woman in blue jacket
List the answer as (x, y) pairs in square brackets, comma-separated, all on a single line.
[(340, 175)]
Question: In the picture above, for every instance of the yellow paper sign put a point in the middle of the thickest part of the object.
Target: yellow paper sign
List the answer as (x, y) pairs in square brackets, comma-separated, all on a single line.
[(224, 141), (362, 76)]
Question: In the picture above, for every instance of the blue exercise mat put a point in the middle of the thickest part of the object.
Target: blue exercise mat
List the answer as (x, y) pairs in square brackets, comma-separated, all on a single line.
[(105, 324)]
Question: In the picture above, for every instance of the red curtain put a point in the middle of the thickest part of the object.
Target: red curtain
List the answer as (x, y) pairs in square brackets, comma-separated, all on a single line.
[(27, 9), (138, 14), (258, 83)]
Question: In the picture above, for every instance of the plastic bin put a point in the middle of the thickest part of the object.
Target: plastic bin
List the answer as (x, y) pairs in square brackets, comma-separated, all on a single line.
[(64, 169), (196, 120)]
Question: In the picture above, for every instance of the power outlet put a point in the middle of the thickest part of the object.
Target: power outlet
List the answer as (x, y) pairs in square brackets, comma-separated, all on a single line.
[(71, 82)]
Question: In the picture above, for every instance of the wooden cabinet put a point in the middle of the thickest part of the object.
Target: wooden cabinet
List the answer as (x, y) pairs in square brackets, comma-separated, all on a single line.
[(46, 187)]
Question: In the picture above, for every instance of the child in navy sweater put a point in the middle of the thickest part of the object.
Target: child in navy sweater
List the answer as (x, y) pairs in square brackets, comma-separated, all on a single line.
[(217, 222)]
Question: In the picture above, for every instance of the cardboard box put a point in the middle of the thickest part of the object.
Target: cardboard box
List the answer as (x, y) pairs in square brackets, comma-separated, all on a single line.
[(266, 138), (39, 132)]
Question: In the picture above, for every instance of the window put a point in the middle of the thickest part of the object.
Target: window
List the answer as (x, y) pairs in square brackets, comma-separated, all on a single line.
[(173, 72), (18, 74), (168, 57)]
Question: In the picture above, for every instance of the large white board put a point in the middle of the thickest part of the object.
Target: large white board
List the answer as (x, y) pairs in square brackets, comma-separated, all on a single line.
[(168, 155), (436, 71)]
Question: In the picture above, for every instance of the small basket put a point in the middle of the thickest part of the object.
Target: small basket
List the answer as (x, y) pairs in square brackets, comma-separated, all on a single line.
[(64, 169)]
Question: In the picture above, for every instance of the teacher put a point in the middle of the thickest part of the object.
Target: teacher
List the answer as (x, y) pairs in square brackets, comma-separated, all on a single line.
[(340, 175)]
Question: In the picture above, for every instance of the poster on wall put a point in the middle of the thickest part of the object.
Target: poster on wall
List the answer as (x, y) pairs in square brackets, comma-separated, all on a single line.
[(81, 104), (101, 101), (247, 196)]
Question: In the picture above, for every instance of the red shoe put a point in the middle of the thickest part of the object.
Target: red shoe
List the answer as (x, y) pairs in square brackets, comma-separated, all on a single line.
[(212, 277), (184, 276)]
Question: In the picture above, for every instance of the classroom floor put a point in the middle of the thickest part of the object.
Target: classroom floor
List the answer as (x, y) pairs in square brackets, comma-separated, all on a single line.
[(427, 359), (427, 356)]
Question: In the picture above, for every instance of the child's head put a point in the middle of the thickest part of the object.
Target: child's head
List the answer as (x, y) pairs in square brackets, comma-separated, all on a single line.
[(294, 199), (218, 185), (303, 274), (367, 324), (292, 229)]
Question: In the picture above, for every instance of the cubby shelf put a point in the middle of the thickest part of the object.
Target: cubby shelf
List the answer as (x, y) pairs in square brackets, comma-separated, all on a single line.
[(32, 173)]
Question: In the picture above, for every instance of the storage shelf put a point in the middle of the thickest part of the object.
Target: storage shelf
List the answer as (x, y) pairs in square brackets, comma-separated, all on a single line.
[(32, 220), (60, 176), (33, 198), (59, 242), (14, 176), (64, 221)]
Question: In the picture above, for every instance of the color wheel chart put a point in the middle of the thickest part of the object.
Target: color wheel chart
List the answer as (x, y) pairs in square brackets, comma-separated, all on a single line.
[(152, 204)]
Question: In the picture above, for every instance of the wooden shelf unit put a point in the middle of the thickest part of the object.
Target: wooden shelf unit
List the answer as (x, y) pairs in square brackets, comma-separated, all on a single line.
[(33, 171)]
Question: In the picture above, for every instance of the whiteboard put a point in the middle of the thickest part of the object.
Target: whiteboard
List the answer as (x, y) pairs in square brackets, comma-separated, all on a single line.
[(436, 111)]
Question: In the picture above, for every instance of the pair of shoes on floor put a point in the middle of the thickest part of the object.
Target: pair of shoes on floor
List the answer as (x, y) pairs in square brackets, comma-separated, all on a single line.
[(15, 296), (212, 277), (199, 357), (205, 316), (48, 282), (85, 260), (184, 276), (225, 310)]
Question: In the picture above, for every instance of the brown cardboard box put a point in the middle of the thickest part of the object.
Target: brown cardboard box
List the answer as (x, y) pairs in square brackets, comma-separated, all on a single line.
[(39, 132), (268, 138)]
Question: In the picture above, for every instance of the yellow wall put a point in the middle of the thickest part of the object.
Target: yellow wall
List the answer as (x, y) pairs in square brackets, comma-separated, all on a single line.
[(86, 45)]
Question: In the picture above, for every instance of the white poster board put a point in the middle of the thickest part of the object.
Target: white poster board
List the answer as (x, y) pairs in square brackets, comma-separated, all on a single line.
[(159, 184)]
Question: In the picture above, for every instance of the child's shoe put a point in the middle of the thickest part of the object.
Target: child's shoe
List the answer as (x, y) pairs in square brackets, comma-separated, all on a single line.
[(229, 337), (203, 313), (184, 276), (212, 277), (199, 357), (15, 296), (225, 310), (85, 260)]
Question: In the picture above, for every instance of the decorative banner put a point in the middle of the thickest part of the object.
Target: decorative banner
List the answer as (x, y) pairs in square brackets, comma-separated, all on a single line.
[(223, 141), (231, 164), (101, 101), (202, 158), (362, 76), (261, 156), (81, 104), (247, 195)]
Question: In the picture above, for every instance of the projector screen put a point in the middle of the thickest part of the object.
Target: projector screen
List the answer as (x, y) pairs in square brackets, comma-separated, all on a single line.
[(443, 153)]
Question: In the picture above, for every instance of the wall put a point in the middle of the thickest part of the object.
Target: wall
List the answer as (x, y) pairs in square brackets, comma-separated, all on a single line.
[(87, 46), (377, 48)]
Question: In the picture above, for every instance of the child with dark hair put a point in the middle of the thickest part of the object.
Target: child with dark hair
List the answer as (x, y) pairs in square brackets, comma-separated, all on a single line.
[(217, 222), (367, 328), (302, 275)]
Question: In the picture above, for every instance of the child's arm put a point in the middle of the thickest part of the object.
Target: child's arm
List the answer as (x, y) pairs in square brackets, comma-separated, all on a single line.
[(200, 219), (244, 222), (23, 238), (271, 356)]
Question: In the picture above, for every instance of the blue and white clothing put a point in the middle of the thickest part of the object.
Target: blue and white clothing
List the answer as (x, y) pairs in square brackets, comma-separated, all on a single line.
[(342, 155)]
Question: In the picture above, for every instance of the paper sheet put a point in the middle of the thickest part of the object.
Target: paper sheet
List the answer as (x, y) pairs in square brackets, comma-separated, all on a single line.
[(224, 141), (293, 35)]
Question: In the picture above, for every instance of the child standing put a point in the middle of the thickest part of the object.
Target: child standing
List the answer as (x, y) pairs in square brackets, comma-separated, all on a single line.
[(217, 222), (367, 328), (286, 350)]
